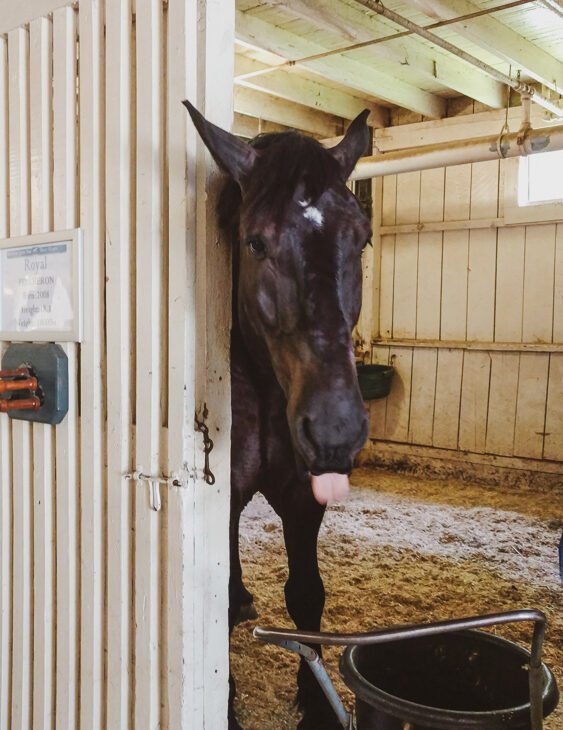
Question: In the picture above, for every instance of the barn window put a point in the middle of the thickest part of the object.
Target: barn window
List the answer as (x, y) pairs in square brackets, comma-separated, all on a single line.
[(540, 179)]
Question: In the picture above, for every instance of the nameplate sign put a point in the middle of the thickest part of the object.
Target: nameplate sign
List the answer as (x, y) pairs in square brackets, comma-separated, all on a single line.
[(41, 287)]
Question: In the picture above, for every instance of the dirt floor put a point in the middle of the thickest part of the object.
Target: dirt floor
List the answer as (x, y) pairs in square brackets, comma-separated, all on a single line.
[(402, 550)]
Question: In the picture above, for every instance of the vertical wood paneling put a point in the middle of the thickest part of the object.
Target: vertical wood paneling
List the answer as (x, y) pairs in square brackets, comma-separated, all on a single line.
[(213, 502), (22, 619), (179, 696), (387, 286), (92, 453), (457, 201), (454, 286), (398, 400), (119, 365), (432, 195), (553, 443), (447, 406), (5, 431), (509, 284), (423, 390), (67, 433), (378, 408), (408, 197), (474, 401), (429, 285), (149, 346), (537, 324), (502, 403), (389, 201), (481, 285), (530, 405), (405, 286), (43, 435), (558, 287)]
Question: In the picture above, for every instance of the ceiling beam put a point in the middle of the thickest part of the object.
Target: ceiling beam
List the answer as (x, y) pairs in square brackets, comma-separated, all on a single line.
[(287, 84), (498, 38), (263, 106), (423, 61), (256, 33)]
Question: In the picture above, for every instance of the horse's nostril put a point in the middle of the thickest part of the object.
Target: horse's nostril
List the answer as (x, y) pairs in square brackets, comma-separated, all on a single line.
[(307, 430)]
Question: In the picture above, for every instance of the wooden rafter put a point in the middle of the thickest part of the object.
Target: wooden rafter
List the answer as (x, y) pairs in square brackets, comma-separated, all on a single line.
[(354, 24), (256, 33), (490, 33), (289, 85)]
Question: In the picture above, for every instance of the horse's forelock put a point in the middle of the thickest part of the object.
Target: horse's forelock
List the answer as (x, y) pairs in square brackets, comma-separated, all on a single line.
[(288, 162)]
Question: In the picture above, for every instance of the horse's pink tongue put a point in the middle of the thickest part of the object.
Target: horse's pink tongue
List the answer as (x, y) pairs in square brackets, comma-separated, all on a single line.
[(329, 488)]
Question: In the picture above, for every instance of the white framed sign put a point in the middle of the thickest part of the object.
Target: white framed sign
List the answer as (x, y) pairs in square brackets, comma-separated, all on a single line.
[(41, 287)]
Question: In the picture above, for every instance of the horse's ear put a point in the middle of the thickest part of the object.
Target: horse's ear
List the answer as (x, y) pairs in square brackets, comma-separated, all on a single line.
[(233, 156), (353, 145)]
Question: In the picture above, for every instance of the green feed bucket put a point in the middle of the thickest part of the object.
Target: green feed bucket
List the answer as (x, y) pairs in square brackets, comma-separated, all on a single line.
[(375, 380)]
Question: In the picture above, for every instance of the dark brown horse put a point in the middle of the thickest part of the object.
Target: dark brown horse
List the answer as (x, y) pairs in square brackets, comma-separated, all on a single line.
[(298, 418)]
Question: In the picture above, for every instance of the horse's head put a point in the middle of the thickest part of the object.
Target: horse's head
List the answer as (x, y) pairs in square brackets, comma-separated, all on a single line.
[(301, 234)]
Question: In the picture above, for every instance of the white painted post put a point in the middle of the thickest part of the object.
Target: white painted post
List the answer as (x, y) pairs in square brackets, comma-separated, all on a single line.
[(67, 433), (40, 108), (118, 362)]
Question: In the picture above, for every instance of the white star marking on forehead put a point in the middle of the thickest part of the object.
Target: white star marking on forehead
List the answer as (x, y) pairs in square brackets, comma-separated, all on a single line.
[(311, 213)]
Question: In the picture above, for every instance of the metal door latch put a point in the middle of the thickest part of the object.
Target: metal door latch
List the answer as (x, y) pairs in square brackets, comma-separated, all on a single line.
[(154, 483)]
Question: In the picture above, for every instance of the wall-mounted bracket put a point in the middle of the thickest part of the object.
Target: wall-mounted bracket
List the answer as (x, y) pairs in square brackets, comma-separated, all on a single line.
[(47, 364)]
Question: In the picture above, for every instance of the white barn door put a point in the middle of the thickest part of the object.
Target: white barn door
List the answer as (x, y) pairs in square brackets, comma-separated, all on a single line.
[(113, 588)]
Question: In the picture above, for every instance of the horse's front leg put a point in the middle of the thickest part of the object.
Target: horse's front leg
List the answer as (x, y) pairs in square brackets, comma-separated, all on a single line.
[(305, 597)]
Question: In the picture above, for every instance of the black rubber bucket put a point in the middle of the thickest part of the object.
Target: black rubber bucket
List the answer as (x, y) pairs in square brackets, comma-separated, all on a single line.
[(466, 679), (375, 380)]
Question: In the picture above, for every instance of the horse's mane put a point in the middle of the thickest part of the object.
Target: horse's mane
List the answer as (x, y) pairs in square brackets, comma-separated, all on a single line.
[(286, 160)]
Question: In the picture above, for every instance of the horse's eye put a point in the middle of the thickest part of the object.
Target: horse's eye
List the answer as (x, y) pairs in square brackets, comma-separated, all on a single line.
[(257, 247)]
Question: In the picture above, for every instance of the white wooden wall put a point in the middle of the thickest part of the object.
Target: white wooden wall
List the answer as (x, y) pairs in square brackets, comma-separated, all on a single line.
[(469, 310), (113, 615)]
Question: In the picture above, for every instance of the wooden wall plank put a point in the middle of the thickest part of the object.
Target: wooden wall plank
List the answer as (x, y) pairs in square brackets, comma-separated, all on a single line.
[(65, 206), (423, 390), (474, 401), (481, 285), (398, 400), (389, 201), (405, 286), (558, 287), (408, 197), (118, 362), (502, 403), (453, 324), (387, 286), (538, 313), (531, 405), (181, 709), (457, 188), (213, 373), (377, 408), (447, 406), (149, 258), (5, 429), (429, 286), (509, 284), (43, 435), (457, 199), (22, 618), (484, 189), (432, 195), (553, 443), (92, 453), (537, 323)]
